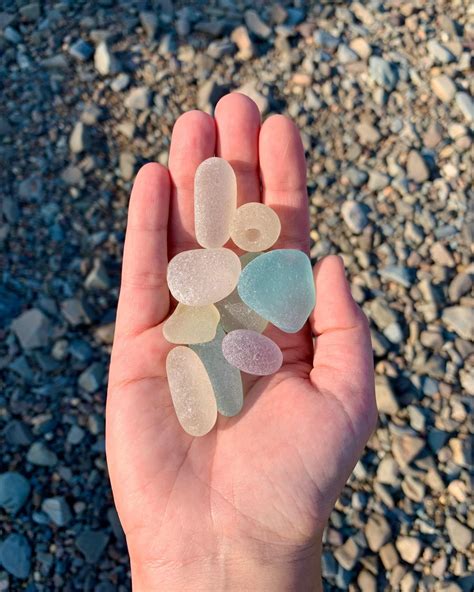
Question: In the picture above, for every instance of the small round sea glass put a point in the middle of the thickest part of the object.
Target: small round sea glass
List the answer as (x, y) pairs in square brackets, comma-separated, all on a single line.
[(255, 227), (251, 352), (191, 324), (279, 286), (203, 276), (215, 201), (191, 391), (225, 379)]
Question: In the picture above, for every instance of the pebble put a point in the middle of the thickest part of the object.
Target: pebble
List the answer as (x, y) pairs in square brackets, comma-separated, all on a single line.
[(58, 510), (465, 105), (14, 491), (417, 169), (256, 25), (459, 319), (387, 401), (15, 555), (120, 82), (443, 87), (368, 134), (355, 216), (409, 548), (138, 98), (91, 378), (439, 53), (383, 73), (127, 162), (149, 22), (92, 543), (79, 138), (346, 55), (377, 532), (240, 36), (459, 534), (105, 61), (32, 328), (39, 454), (361, 48), (81, 50)]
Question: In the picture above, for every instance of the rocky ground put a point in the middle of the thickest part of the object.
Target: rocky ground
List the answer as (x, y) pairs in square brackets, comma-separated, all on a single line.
[(382, 94)]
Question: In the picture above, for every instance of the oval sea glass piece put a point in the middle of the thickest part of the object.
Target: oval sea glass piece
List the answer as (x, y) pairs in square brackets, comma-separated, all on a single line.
[(251, 352), (255, 227), (191, 391), (203, 276), (279, 286), (191, 324), (226, 380), (215, 201)]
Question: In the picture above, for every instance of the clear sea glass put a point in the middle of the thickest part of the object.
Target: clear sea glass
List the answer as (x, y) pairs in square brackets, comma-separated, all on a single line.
[(279, 286), (191, 391), (191, 324), (251, 352), (255, 227), (203, 276), (225, 379), (215, 201)]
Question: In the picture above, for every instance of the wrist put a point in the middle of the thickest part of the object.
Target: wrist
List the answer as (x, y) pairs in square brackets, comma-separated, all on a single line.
[(231, 568)]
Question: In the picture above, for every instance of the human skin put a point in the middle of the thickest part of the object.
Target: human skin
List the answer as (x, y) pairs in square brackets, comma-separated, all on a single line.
[(244, 507)]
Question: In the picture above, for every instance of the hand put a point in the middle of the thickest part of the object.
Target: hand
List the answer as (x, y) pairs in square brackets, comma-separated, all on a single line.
[(244, 507)]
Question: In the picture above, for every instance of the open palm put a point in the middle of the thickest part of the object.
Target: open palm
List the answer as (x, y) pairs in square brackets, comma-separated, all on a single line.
[(258, 489)]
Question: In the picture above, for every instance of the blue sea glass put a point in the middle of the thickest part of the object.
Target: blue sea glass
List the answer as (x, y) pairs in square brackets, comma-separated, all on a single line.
[(279, 286), (225, 379)]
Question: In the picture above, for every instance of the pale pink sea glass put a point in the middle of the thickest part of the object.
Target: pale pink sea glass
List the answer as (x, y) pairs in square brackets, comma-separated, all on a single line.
[(251, 352), (203, 276), (191, 391), (192, 324), (255, 227), (215, 201)]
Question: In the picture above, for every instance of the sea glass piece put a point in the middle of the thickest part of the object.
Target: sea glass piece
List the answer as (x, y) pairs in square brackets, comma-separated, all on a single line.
[(279, 286), (203, 276), (191, 391), (225, 379), (251, 352), (215, 201), (255, 227), (191, 324), (235, 314)]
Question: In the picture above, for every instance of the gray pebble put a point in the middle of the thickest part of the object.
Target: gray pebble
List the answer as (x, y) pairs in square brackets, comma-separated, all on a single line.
[(14, 491), (39, 454), (32, 328), (92, 543), (383, 73), (91, 379), (15, 555), (355, 216), (57, 509), (465, 105)]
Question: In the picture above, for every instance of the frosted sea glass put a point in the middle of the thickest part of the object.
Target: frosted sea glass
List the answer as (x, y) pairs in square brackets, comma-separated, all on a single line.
[(203, 276), (255, 227), (251, 352), (215, 201), (191, 391), (279, 286), (191, 324), (225, 379), (235, 314)]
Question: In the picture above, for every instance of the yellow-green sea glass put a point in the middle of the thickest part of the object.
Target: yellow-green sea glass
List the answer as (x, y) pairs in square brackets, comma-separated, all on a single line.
[(191, 391), (191, 324)]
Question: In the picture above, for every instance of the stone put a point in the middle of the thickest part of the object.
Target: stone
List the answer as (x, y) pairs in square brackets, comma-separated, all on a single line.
[(91, 378), (127, 161), (389, 556), (386, 399), (439, 53), (235, 314), (191, 324), (417, 169), (203, 276), (252, 352), (220, 48), (255, 227), (383, 73), (377, 532), (413, 488), (98, 278), (443, 87), (368, 134), (57, 509), (38, 454), (75, 435), (14, 491), (138, 98), (459, 319), (409, 548), (17, 433), (441, 255), (240, 36), (15, 555), (32, 328), (346, 55), (361, 47), (398, 274), (79, 139), (279, 286), (226, 380), (215, 202), (256, 25), (92, 543), (354, 215), (105, 61), (356, 177), (387, 471), (191, 391), (348, 554), (465, 105), (208, 95), (433, 136), (149, 22), (406, 448), (81, 50), (31, 11), (459, 534), (120, 82)]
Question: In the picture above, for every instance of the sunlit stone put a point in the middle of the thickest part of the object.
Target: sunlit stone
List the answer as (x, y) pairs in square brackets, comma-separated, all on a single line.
[(225, 379), (203, 276), (191, 391), (215, 201), (279, 286), (255, 227), (251, 352), (191, 324)]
